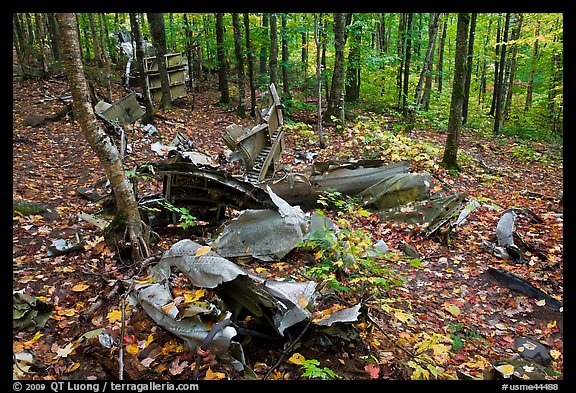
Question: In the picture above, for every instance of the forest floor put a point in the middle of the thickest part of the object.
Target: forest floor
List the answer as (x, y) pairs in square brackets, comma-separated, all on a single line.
[(450, 320)]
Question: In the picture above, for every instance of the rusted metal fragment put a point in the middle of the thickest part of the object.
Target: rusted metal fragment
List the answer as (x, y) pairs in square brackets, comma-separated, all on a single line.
[(396, 190), (349, 178), (124, 111)]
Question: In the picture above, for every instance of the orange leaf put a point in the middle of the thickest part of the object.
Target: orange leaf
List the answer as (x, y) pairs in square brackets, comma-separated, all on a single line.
[(202, 251)]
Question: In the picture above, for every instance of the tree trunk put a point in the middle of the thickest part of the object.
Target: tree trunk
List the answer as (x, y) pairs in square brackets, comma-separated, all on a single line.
[(250, 59), (497, 49), (304, 58), (285, 60), (137, 37), (40, 41), (319, 80), (426, 68), (263, 46), (53, 35), (158, 33), (273, 61), (241, 108), (189, 53), (439, 70), (400, 50), (222, 62), (449, 159), (469, 58), (513, 52), (407, 55), (482, 87), (100, 142), (95, 40), (530, 88), (500, 95), (105, 58), (336, 102), (354, 59)]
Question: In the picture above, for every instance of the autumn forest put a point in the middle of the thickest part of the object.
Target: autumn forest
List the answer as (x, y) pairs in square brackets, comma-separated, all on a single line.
[(288, 196)]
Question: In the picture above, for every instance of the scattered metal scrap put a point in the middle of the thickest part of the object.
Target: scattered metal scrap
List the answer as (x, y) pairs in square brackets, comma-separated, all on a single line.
[(276, 304)]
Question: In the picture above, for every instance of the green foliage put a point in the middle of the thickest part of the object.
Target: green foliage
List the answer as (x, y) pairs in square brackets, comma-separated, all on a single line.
[(459, 334), (311, 370), (347, 252), (186, 220)]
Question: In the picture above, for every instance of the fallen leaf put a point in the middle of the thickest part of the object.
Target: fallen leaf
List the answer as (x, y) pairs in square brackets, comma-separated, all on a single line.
[(452, 309), (211, 375), (541, 303), (80, 287), (297, 358), (555, 354), (373, 370), (114, 316), (64, 352), (202, 251), (506, 370)]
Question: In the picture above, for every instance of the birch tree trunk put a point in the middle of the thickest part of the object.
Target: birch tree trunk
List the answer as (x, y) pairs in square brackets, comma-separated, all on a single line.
[(241, 108), (100, 142)]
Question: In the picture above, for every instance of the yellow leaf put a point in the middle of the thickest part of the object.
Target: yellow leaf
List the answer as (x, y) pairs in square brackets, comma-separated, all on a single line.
[(401, 316), (211, 375), (506, 370), (80, 287), (555, 354), (67, 312), (551, 324), (302, 301), (149, 340), (202, 251), (132, 349), (452, 309), (114, 316), (297, 358), (192, 296), (260, 270)]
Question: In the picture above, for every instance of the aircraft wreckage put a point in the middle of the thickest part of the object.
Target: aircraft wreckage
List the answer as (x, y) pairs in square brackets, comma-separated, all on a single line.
[(269, 223), (193, 180)]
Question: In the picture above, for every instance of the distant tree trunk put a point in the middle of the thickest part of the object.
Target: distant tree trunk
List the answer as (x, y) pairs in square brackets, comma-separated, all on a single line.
[(430, 69), (336, 102), (354, 59), (40, 40), (137, 37), (497, 49), (407, 55), (500, 95), (482, 87), (222, 63), (105, 58), (469, 58), (263, 46), (426, 67), (241, 108), (439, 71), (158, 33), (189, 42), (319, 80), (53, 35), (400, 50), (95, 41), (273, 62), (322, 28), (285, 60), (304, 58), (87, 46), (512, 74), (449, 159), (106, 151), (530, 88), (250, 59), (555, 82)]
